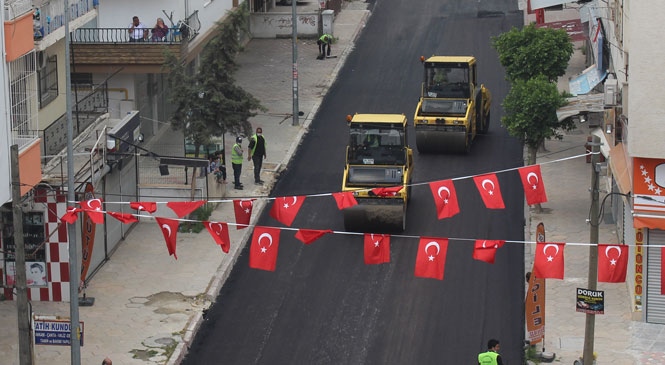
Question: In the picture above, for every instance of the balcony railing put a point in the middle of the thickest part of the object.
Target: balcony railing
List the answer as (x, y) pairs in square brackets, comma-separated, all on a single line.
[(16, 8), (93, 102), (123, 35), (51, 14)]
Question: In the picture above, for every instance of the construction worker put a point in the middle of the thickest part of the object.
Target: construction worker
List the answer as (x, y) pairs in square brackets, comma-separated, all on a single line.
[(325, 39), (491, 356), (236, 162)]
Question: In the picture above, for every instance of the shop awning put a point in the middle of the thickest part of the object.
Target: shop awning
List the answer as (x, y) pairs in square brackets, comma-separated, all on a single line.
[(587, 80), (582, 104), (651, 222), (620, 166)]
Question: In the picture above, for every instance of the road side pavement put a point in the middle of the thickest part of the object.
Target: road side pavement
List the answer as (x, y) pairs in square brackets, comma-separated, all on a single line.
[(147, 304)]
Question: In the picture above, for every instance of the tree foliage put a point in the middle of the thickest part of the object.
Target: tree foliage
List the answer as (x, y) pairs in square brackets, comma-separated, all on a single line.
[(534, 51), (207, 102), (530, 108)]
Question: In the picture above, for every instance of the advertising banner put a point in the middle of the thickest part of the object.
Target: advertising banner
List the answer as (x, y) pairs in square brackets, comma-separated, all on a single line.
[(534, 305), (590, 301)]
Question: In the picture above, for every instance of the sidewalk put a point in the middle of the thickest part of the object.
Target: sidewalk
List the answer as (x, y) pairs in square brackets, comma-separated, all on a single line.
[(147, 304)]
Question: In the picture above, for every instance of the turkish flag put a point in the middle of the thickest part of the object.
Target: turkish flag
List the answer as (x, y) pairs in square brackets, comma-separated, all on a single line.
[(431, 257), (485, 250), (445, 198), (285, 208), (123, 217), (149, 207), (71, 216), (488, 187), (181, 209), (345, 200), (169, 229), (94, 209), (549, 260), (264, 247), (377, 248), (534, 188), (612, 263), (220, 233), (391, 191), (243, 212), (308, 236)]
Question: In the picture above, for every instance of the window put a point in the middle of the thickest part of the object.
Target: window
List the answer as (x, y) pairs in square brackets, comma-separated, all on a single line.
[(23, 94), (48, 81)]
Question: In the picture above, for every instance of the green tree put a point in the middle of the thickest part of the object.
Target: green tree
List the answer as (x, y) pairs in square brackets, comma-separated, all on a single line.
[(530, 108), (207, 102), (534, 51)]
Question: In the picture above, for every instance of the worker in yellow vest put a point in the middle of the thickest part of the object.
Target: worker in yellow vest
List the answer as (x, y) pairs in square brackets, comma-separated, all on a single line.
[(325, 39), (491, 356), (236, 162)]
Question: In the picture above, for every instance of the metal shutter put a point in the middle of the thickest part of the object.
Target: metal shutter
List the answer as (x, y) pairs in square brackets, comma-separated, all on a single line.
[(655, 302)]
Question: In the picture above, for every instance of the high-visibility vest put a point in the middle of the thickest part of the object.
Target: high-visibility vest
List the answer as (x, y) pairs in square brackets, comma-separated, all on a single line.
[(255, 139), (236, 154), (488, 358), (326, 38)]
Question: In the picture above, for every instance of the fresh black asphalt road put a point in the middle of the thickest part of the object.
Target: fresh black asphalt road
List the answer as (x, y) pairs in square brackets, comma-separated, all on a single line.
[(323, 305)]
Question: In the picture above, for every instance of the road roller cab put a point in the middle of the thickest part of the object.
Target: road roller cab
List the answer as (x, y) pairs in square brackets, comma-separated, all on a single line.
[(453, 108), (378, 163)]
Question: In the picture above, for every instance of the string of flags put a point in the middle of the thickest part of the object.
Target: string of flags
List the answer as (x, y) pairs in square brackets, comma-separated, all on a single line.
[(431, 254)]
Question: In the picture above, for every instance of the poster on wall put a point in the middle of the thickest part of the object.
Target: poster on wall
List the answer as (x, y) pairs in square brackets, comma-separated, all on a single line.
[(590, 301), (35, 273)]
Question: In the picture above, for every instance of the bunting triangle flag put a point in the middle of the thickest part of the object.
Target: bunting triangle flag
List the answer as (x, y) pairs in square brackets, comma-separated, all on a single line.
[(485, 250), (149, 207), (93, 208), (243, 212), (71, 216), (445, 198), (534, 188), (263, 249), (488, 187), (181, 209), (169, 229), (123, 217), (285, 209), (220, 233), (377, 248), (345, 200), (308, 236)]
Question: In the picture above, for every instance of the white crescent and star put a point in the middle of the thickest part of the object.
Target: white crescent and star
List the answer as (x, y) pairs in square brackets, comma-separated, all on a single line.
[(438, 249), (443, 188), (286, 205), (528, 179), (376, 243), (97, 201), (264, 249), (247, 210), (490, 191), (218, 225), (613, 261), (550, 258), (166, 228)]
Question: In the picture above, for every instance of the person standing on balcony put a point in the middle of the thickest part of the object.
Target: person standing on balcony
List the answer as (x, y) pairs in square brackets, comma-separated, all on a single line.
[(159, 31), (137, 31)]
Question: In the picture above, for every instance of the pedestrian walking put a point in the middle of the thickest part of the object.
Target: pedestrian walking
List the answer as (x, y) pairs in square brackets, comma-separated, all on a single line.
[(236, 162), (256, 151), (322, 42), (491, 356)]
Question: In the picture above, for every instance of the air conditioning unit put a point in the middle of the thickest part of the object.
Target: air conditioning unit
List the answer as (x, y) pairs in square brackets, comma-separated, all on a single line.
[(42, 58), (610, 90)]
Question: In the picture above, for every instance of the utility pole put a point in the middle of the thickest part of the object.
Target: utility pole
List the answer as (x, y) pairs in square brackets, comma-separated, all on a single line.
[(294, 44), (23, 309), (74, 272), (590, 324)]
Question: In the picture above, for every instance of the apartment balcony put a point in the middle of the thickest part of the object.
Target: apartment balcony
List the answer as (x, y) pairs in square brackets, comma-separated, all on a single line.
[(49, 19), (95, 49)]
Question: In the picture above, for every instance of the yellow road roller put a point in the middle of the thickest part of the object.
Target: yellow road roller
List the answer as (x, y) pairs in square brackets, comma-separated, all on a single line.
[(452, 108), (378, 163)]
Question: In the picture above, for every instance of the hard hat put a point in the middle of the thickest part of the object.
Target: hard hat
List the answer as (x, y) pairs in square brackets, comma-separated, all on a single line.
[(238, 139)]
